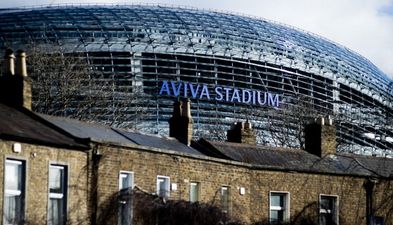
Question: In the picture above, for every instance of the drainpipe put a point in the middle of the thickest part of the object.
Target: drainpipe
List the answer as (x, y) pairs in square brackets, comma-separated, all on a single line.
[(369, 187)]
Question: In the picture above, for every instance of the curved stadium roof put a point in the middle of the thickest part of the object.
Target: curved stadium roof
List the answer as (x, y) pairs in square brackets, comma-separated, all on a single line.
[(168, 30)]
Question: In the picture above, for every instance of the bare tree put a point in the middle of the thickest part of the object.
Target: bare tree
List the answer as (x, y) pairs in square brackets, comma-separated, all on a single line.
[(67, 84)]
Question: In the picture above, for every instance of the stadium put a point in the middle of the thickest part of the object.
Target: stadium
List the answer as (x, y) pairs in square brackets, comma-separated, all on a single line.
[(232, 67)]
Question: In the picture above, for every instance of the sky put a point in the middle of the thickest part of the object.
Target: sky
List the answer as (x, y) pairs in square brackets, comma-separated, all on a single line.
[(364, 26)]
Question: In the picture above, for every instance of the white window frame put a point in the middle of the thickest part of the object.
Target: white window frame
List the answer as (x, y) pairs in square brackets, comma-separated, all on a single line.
[(228, 189), (64, 195), (198, 186), (286, 208), (126, 172), (322, 210), (22, 192), (120, 214), (168, 186)]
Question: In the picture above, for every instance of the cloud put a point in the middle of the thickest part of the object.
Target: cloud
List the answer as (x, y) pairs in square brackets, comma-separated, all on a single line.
[(364, 26)]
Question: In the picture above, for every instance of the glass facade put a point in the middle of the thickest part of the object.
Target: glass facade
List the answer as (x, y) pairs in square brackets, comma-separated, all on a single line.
[(137, 47)]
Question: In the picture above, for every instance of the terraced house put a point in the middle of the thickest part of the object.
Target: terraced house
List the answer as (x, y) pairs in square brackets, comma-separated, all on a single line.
[(60, 171)]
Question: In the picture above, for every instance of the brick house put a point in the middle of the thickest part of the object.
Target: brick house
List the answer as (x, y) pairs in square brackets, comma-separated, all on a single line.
[(42, 168), (56, 170)]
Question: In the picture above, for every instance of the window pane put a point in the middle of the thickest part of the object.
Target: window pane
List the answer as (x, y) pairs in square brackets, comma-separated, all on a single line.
[(125, 207), (328, 213), (225, 199), (13, 175), (56, 211), (56, 178), (194, 192), (277, 200), (126, 180), (13, 209), (278, 210), (163, 186), (14, 191)]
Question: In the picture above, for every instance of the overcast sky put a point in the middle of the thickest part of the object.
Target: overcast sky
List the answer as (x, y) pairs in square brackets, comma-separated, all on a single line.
[(365, 26)]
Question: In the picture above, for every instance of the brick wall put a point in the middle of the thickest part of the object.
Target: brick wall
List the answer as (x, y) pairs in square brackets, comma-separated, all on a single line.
[(304, 189), (38, 159)]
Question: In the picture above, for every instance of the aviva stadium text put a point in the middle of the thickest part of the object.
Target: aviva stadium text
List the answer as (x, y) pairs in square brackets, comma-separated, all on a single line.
[(219, 93)]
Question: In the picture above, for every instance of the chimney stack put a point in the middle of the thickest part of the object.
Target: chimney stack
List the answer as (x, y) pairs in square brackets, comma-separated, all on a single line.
[(15, 88), (180, 124), (242, 133), (320, 137)]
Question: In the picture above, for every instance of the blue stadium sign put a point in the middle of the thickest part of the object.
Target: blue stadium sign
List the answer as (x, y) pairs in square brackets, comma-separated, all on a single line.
[(219, 93)]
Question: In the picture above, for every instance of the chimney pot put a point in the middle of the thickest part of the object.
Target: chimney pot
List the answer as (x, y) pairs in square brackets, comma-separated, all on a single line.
[(20, 64), (9, 63), (186, 108), (15, 90)]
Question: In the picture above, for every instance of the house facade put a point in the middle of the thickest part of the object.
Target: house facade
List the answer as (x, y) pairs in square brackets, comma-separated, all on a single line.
[(62, 171)]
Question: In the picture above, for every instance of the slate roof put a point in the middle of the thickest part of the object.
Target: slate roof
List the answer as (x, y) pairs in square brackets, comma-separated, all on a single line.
[(93, 131), (24, 126), (299, 160), (159, 142), (107, 134)]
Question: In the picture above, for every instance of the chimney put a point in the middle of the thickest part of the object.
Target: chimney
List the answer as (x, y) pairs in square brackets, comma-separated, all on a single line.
[(242, 133), (180, 124), (320, 137), (15, 89), (9, 63), (20, 64)]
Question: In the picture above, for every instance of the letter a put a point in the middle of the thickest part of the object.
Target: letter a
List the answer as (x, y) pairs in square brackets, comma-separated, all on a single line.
[(165, 88)]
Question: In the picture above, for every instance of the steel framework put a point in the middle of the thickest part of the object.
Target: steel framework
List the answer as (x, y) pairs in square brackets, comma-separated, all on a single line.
[(139, 46)]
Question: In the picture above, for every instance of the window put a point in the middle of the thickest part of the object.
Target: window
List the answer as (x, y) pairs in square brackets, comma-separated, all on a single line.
[(194, 192), (225, 199), (279, 208), (14, 193), (57, 211), (163, 186), (328, 210), (126, 183)]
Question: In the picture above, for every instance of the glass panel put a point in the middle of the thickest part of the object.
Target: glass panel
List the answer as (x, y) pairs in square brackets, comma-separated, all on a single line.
[(14, 192), (225, 199), (56, 211), (327, 210), (13, 175), (56, 179), (13, 209), (125, 207), (277, 208), (194, 192), (125, 180), (326, 203), (163, 186), (277, 200)]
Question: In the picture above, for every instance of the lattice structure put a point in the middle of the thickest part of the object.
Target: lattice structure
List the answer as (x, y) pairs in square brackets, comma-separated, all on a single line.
[(139, 46)]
